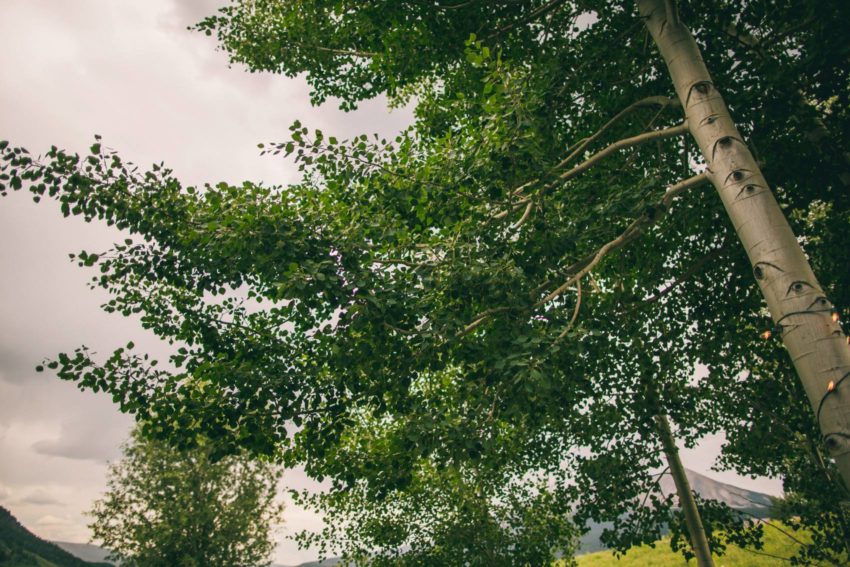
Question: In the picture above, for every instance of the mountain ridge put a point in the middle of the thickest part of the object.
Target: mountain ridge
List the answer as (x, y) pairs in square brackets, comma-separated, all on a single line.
[(19, 547)]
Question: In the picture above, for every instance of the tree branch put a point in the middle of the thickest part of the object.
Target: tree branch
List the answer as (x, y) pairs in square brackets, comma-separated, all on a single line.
[(398, 329), (695, 267), (480, 319), (622, 144), (455, 6), (524, 216), (662, 101), (632, 231), (351, 52), (675, 190)]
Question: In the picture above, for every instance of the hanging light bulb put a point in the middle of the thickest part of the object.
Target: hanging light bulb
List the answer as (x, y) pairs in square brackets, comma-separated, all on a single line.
[(831, 386), (767, 334), (835, 315)]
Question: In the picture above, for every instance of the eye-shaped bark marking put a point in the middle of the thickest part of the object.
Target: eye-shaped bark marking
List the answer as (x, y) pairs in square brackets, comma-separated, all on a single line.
[(702, 88), (737, 176), (723, 143), (748, 190), (798, 287), (710, 119), (759, 269), (833, 440)]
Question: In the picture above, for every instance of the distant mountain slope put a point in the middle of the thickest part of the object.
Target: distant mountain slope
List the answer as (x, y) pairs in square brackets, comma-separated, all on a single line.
[(330, 562), (86, 552), (733, 496), (748, 501), (21, 548)]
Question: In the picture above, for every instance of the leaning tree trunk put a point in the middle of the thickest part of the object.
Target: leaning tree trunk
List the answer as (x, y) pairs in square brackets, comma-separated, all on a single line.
[(687, 502), (800, 309)]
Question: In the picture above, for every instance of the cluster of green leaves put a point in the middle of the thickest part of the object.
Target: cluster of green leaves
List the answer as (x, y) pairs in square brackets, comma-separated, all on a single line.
[(399, 322)]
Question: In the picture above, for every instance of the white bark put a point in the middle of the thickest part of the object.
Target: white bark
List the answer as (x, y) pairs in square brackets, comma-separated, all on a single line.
[(794, 297)]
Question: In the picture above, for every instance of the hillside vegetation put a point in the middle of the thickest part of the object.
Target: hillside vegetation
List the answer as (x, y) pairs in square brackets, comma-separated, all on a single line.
[(778, 548), (21, 548)]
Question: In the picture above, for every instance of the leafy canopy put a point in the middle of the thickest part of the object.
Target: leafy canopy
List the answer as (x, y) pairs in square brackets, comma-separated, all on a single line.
[(434, 310)]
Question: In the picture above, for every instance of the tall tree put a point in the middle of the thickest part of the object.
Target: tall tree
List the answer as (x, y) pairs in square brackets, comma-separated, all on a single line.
[(803, 315), (475, 295), (165, 507)]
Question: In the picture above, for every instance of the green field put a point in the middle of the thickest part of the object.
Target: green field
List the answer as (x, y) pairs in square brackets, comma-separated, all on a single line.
[(779, 547)]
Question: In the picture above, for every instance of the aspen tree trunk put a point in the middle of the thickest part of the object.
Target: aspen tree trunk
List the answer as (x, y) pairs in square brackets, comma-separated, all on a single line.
[(794, 297), (696, 531)]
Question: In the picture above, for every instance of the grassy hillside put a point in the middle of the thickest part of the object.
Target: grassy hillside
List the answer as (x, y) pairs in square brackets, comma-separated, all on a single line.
[(778, 546), (20, 548)]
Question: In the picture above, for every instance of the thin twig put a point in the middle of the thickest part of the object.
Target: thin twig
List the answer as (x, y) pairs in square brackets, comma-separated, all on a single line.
[(575, 312), (398, 329), (515, 206), (627, 236), (352, 52), (481, 318), (695, 268), (542, 10)]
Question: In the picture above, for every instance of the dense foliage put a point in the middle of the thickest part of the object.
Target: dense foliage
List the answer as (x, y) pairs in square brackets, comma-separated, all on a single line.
[(428, 321), (165, 507)]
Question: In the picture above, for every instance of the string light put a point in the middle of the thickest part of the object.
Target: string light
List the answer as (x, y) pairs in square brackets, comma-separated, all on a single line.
[(769, 333), (831, 388), (778, 328)]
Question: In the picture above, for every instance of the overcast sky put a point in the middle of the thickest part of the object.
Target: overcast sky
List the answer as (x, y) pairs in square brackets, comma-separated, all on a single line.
[(131, 72)]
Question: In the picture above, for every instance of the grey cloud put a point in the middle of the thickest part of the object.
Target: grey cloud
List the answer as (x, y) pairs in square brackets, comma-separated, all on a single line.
[(40, 497), (52, 520), (84, 440), (15, 365)]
